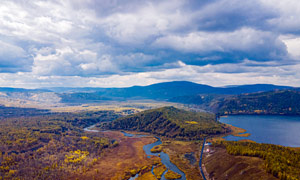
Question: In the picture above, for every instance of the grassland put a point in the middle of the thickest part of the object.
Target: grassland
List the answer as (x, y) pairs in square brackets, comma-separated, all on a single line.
[(219, 164), (177, 151), (156, 149), (125, 160), (172, 175), (159, 170), (147, 176)]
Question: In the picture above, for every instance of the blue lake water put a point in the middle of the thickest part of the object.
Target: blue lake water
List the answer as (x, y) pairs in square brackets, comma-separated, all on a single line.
[(280, 130)]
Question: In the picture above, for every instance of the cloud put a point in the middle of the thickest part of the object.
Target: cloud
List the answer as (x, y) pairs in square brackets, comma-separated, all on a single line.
[(287, 20), (293, 45), (230, 15), (243, 43), (13, 58), (146, 23), (98, 41), (215, 75)]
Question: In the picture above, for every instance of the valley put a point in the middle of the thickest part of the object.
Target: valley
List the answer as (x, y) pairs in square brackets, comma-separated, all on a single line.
[(149, 90), (43, 135)]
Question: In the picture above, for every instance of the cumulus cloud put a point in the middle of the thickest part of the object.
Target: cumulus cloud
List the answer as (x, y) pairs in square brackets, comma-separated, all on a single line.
[(243, 43), (215, 75), (50, 40), (287, 20), (13, 58), (293, 45)]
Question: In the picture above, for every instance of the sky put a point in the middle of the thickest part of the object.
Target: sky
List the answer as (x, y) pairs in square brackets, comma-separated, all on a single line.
[(117, 43)]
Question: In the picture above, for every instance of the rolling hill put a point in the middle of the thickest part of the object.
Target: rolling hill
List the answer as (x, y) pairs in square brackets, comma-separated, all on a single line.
[(169, 122), (176, 91), (167, 90)]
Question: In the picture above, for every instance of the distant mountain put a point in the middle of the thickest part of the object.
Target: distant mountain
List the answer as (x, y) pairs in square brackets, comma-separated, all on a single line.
[(168, 90), (73, 89), (82, 97), (254, 88), (160, 91), (9, 89), (176, 91), (169, 122), (285, 102), (199, 99)]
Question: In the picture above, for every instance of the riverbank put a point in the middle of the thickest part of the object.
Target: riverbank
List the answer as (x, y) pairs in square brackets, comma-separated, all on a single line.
[(181, 154), (119, 162), (185, 155), (238, 132), (233, 131)]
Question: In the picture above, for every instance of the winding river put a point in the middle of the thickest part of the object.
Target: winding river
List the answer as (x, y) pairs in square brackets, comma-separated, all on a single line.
[(165, 159)]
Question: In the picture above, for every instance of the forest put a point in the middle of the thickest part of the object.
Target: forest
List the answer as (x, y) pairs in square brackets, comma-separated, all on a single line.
[(50, 146), (7, 112), (285, 102), (170, 122), (282, 162), (277, 102)]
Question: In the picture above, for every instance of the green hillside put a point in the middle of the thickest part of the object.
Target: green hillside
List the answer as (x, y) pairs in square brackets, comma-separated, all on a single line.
[(169, 122), (274, 102)]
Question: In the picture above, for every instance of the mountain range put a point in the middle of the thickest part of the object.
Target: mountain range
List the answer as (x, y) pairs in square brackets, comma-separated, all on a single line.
[(246, 99), (159, 91)]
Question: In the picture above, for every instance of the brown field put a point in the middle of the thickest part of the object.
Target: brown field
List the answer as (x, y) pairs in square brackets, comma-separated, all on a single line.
[(296, 148), (123, 159), (220, 165), (117, 106)]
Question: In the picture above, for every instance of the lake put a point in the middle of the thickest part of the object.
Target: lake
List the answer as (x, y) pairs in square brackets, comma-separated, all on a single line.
[(280, 130)]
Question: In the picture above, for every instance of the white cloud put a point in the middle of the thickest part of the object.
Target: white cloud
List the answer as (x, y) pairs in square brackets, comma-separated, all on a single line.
[(215, 75), (287, 20), (75, 42), (147, 22), (244, 40), (293, 45), (13, 58)]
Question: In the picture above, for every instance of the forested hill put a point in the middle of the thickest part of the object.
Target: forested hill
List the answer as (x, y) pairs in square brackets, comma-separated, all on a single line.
[(275, 102), (169, 122), (160, 91), (166, 91)]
